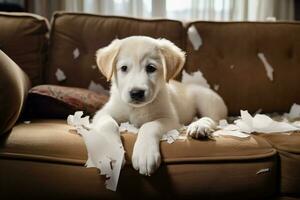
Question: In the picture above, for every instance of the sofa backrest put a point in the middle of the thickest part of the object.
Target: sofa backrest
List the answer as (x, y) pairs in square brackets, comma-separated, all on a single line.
[(74, 39), (23, 39), (228, 58)]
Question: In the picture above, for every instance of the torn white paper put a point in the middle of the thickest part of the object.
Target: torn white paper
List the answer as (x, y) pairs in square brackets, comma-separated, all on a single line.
[(105, 150), (268, 67), (98, 88), (194, 37), (76, 53), (222, 123), (216, 87), (60, 75), (262, 171), (77, 121), (27, 122), (172, 135), (294, 112), (194, 78), (127, 127), (262, 124), (234, 133)]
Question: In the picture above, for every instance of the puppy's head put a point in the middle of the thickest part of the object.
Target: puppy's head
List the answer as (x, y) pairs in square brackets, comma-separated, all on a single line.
[(139, 66)]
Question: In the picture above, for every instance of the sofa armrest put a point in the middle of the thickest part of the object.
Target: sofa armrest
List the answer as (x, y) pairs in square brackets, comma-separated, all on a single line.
[(14, 85)]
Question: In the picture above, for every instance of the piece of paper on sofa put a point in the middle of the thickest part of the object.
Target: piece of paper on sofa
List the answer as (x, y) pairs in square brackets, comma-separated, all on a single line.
[(269, 69), (104, 149), (127, 127), (194, 37), (294, 112), (60, 75), (262, 124), (194, 78), (233, 133), (78, 121), (98, 88), (76, 53), (172, 135)]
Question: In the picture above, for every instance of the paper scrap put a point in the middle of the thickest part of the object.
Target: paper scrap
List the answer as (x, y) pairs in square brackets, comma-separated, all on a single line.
[(105, 150), (294, 112), (222, 123), (194, 37), (268, 67), (233, 133), (27, 122), (76, 53), (172, 135), (60, 75), (194, 78), (262, 171), (78, 121), (98, 88), (127, 127), (262, 124), (216, 87)]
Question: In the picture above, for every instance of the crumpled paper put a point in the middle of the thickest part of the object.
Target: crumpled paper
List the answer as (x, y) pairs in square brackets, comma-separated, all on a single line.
[(76, 53), (173, 135), (127, 127), (268, 67), (60, 75), (262, 124), (98, 88), (105, 151), (246, 124), (194, 37), (194, 78)]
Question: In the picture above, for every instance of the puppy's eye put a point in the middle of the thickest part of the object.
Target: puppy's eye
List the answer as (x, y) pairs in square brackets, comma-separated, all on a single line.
[(150, 68), (124, 68)]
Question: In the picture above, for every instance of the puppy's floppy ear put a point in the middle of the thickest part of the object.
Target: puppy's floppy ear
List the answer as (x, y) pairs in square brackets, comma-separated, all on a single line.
[(173, 58), (106, 58)]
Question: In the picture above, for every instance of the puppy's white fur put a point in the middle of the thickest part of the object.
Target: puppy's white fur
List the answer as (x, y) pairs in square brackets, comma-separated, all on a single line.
[(167, 103)]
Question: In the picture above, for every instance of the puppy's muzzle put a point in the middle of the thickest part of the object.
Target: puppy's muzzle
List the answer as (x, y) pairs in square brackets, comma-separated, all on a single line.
[(137, 95)]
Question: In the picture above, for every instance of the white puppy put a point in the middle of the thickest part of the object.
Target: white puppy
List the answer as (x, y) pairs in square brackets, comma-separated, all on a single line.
[(140, 69)]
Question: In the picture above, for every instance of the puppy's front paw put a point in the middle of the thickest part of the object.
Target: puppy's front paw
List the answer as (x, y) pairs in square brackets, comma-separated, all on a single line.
[(201, 128), (146, 157)]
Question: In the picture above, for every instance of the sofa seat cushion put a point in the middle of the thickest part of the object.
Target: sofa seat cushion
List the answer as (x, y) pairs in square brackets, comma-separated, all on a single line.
[(288, 147), (229, 166)]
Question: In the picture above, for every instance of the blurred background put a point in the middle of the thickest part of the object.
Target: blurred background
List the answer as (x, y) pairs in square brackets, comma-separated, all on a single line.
[(185, 10)]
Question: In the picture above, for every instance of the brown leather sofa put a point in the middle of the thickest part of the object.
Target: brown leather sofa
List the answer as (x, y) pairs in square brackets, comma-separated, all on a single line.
[(43, 160)]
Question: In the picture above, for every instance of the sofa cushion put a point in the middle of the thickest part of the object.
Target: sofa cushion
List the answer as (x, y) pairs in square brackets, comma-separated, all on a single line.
[(288, 147), (229, 60), (53, 101), (23, 39), (225, 166), (76, 37)]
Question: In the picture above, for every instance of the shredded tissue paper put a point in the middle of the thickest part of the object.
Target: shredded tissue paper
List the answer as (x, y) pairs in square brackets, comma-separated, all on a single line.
[(194, 37), (107, 154)]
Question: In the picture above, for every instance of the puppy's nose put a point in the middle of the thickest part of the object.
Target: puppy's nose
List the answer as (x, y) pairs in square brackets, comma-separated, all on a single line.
[(137, 94)]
